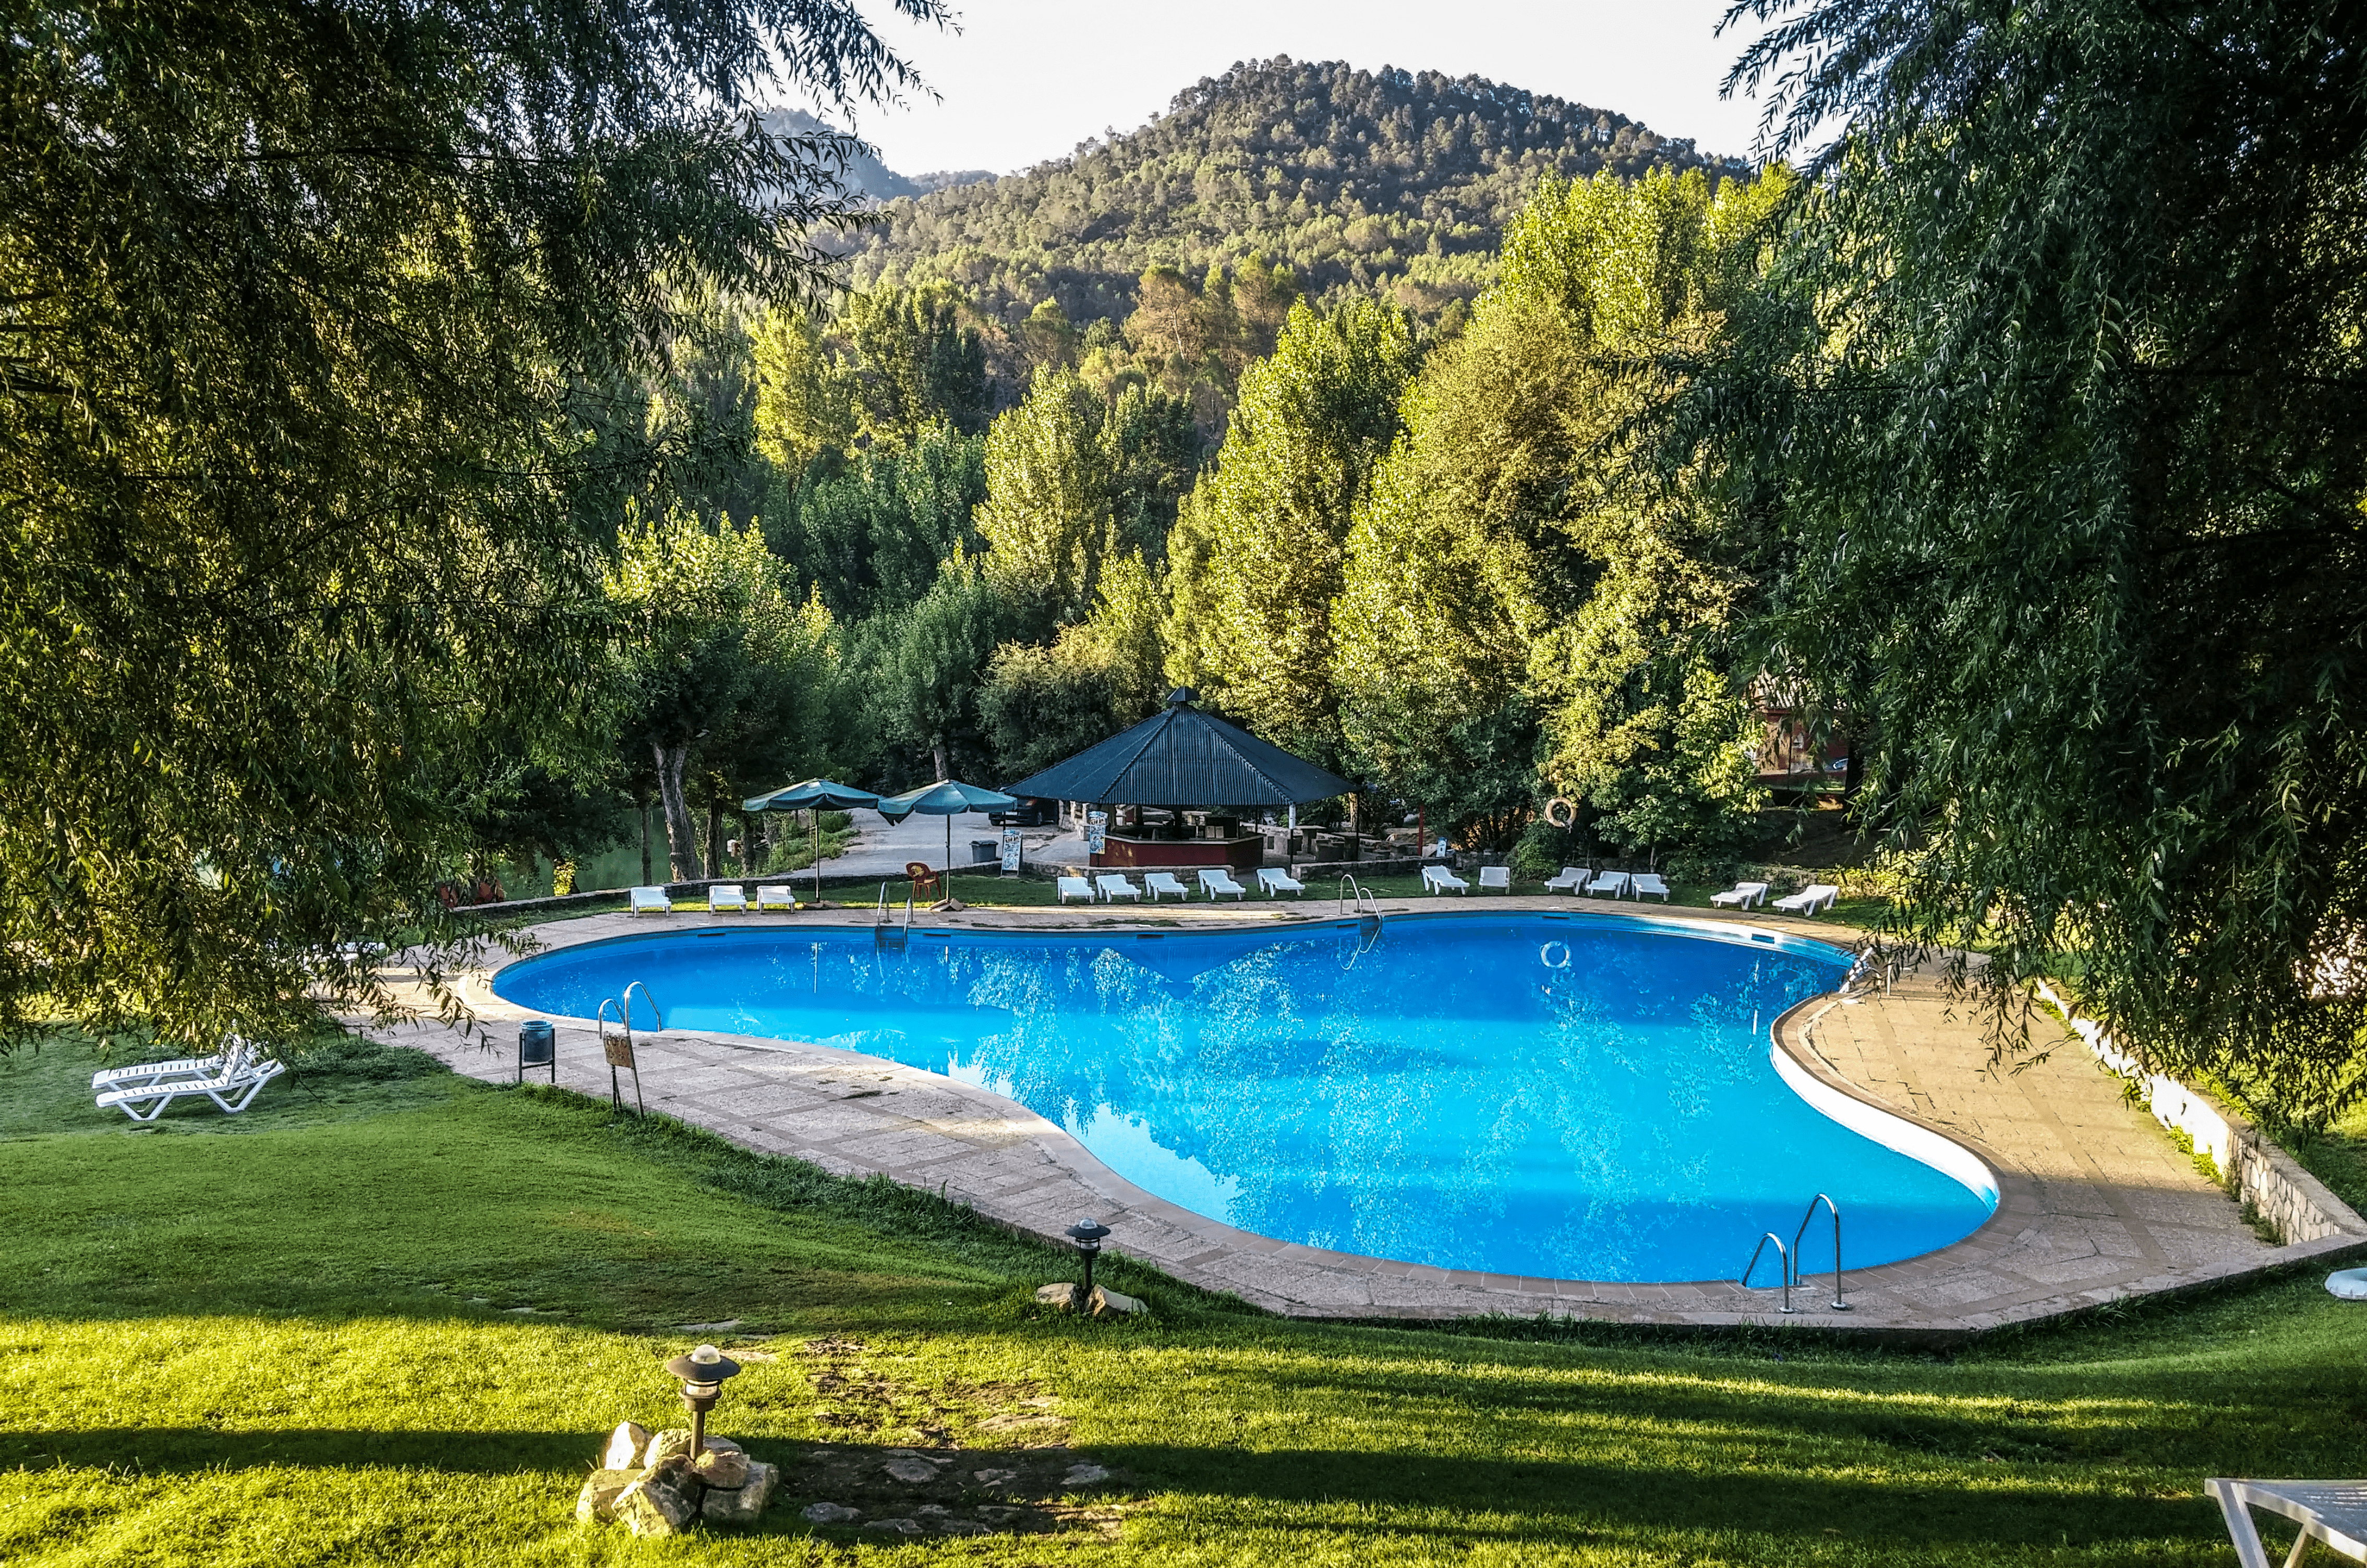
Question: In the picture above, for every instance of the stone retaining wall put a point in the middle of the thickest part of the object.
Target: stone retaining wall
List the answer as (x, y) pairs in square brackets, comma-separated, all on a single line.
[(2291, 1201)]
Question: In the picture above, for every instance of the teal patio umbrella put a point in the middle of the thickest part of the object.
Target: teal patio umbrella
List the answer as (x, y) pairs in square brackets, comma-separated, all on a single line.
[(815, 795), (947, 798)]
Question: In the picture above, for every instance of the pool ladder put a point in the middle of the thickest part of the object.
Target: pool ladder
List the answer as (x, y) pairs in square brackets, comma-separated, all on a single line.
[(884, 932), (617, 1048), (1369, 921), (1789, 1256)]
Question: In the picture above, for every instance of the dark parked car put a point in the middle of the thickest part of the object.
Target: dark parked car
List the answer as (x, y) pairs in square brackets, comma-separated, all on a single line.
[(1028, 814)]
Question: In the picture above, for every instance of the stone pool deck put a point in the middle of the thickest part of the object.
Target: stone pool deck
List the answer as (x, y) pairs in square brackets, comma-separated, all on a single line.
[(2095, 1200)]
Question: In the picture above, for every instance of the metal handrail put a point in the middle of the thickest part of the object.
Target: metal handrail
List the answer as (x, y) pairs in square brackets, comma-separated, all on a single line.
[(1781, 1257), (1348, 889), (1839, 1305), (1363, 892), (624, 1023), (882, 908), (627, 1004)]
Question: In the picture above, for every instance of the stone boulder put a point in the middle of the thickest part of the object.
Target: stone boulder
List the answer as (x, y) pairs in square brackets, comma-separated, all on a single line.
[(664, 1500), (625, 1448), (1109, 1303), (743, 1503), (597, 1501), (1062, 1298)]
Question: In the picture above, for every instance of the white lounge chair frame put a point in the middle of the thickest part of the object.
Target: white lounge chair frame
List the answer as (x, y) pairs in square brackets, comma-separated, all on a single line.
[(1573, 880), (1075, 887), (1495, 878), (1159, 882), (1610, 884), (1277, 881), (725, 897), (775, 898), (149, 1074), (233, 1088), (1644, 882), (2334, 1512), (1113, 886), (1436, 879), (1809, 899), (649, 900), (1219, 881), (1741, 895)]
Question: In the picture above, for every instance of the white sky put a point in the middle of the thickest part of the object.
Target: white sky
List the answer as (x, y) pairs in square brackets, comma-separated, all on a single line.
[(1027, 80)]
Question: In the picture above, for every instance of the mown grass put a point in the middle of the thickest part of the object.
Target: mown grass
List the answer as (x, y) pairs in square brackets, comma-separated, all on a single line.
[(292, 1338)]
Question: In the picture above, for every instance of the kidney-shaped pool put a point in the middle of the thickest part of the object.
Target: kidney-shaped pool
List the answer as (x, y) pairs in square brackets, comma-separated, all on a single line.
[(1572, 1096)]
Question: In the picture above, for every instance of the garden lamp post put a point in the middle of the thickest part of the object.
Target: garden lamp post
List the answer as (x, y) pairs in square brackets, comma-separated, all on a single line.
[(702, 1373), (1088, 1234)]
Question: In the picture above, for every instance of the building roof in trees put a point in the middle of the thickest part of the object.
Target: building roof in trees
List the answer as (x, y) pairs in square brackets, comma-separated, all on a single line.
[(1182, 756)]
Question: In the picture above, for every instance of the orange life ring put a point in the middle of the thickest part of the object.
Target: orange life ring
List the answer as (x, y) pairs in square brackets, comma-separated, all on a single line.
[(1568, 812)]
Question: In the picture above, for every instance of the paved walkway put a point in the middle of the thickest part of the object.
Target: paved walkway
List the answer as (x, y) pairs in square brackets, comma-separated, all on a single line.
[(2095, 1201)]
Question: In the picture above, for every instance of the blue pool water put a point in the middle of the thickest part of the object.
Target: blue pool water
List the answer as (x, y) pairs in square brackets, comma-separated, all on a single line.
[(1571, 1097)]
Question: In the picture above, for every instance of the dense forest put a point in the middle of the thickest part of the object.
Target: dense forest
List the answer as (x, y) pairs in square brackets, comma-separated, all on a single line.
[(1387, 183)]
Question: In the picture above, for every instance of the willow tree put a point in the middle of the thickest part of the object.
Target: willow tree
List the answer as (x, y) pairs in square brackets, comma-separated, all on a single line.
[(327, 330), (2059, 403)]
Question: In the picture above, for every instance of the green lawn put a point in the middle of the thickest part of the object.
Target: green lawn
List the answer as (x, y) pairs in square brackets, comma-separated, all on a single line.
[(385, 1317)]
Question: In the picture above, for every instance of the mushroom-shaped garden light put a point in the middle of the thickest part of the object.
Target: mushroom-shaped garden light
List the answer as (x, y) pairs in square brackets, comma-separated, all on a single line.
[(702, 1373), (1088, 1234)]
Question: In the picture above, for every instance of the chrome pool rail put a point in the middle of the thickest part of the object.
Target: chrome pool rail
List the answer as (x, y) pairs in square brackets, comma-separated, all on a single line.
[(1830, 1206), (617, 1048), (1355, 892), (1784, 1262)]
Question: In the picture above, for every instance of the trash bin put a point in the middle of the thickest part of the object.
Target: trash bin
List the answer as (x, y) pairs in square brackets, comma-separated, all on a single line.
[(984, 850), (537, 1047)]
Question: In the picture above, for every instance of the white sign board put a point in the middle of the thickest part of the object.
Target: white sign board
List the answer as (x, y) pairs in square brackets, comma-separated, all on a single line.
[(1096, 831), (1011, 849)]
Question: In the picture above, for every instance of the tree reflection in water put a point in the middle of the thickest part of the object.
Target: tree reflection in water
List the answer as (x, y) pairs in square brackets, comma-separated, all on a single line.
[(1561, 1097)]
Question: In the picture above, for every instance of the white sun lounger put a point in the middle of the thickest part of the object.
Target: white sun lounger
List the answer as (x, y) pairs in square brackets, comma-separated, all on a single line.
[(1610, 884), (2334, 1512), (1438, 879), (651, 901), (1644, 882), (775, 898), (1495, 878), (232, 1089), (1076, 887), (1809, 898), (728, 896), (1277, 881), (1162, 883), (1741, 895), (1573, 880), (151, 1073), (1221, 882), (1114, 886)]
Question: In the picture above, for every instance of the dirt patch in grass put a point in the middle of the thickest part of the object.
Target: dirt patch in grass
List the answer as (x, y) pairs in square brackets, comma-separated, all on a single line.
[(1022, 1478)]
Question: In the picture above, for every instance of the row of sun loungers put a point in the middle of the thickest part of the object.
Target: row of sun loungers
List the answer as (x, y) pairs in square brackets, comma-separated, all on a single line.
[(1108, 887), (720, 898), (1573, 880)]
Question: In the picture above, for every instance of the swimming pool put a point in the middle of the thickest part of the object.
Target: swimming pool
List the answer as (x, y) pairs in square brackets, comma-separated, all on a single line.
[(1564, 1096)]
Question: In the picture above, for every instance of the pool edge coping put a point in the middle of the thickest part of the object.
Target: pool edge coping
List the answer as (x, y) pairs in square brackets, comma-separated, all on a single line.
[(1699, 1303)]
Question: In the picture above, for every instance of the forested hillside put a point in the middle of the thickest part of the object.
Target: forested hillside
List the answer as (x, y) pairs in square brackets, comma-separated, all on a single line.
[(1387, 183)]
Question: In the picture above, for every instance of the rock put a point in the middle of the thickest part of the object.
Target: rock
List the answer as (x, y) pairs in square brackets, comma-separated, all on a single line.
[(601, 1489), (674, 1442), (911, 1470), (894, 1527), (1063, 1297), (1085, 1475), (995, 1477), (745, 1503), (831, 1514), (663, 1501), (1109, 1303), (958, 1526), (723, 1469), (625, 1445)]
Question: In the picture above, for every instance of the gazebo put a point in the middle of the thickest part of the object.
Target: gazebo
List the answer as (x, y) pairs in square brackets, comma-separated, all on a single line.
[(1184, 759)]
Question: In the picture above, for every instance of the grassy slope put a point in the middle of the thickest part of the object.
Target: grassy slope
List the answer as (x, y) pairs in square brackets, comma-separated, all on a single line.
[(284, 1340)]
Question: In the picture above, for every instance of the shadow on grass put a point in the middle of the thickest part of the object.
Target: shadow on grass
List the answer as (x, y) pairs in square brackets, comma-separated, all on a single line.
[(1476, 1499)]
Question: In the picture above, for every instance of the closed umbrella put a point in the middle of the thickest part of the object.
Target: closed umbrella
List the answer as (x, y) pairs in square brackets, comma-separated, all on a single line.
[(947, 798), (815, 795)]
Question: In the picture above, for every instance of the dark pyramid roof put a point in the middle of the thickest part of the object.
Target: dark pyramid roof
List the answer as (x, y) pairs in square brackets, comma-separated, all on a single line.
[(1184, 757)]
